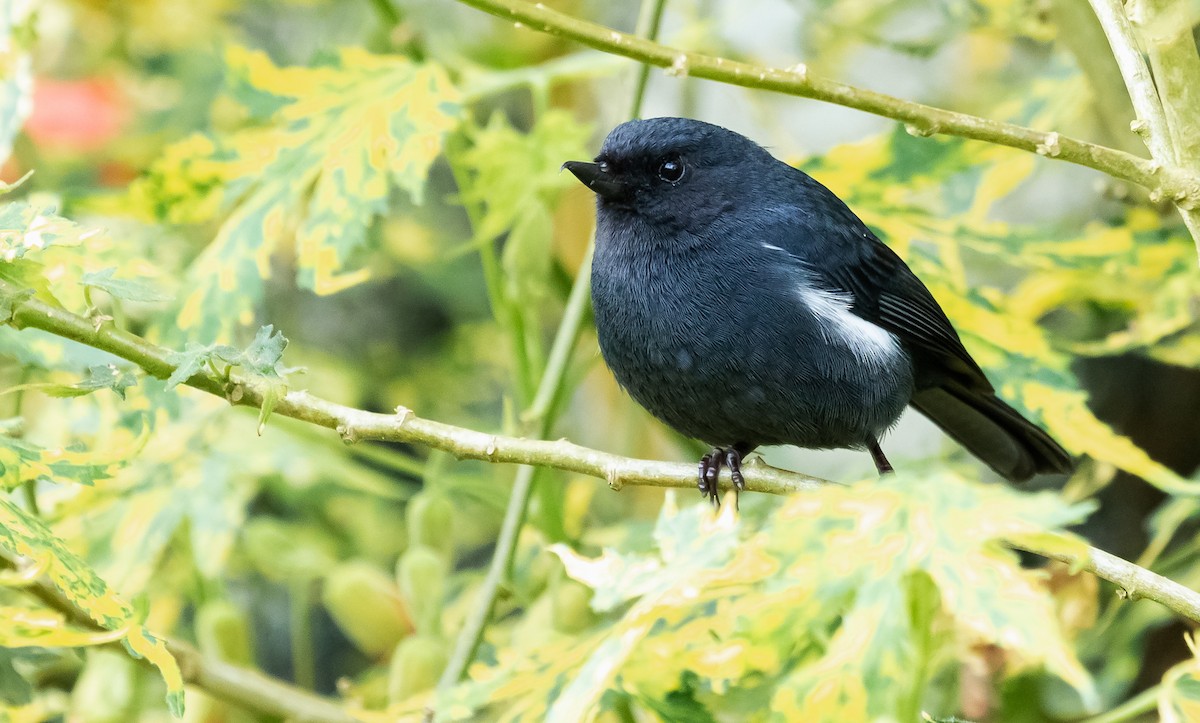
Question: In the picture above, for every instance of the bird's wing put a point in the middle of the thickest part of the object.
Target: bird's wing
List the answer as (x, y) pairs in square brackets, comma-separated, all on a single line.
[(840, 252), (886, 293)]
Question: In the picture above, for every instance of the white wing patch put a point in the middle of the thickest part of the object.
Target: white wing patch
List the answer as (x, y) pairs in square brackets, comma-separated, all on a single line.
[(869, 343)]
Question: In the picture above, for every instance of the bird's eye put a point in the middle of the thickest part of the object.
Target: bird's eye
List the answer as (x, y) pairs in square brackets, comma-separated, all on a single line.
[(671, 170)]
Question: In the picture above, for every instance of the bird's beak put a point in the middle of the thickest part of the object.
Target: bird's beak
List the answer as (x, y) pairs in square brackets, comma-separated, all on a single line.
[(597, 179)]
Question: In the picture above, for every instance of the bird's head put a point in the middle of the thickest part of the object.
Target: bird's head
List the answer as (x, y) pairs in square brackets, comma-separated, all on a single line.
[(675, 172)]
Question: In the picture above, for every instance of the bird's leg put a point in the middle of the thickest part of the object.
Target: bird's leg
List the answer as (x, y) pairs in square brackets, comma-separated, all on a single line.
[(881, 462), (710, 472), (710, 469)]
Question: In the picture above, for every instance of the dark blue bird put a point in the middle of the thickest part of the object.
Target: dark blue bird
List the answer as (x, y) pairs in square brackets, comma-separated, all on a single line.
[(742, 303)]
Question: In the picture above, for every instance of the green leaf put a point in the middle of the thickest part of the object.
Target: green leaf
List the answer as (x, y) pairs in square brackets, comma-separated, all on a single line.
[(515, 180), (510, 174), (264, 356), (22, 461), (14, 688), (680, 704), (126, 289), (108, 376), (262, 360), (945, 204), (102, 376), (334, 140), (9, 302), (27, 228), (26, 536), (849, 603), (194, 358)]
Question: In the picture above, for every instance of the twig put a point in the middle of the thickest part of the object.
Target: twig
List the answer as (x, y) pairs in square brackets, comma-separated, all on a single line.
[(648, 25), (1164, 180), (1133, 709), (539, 417), (356, 424)]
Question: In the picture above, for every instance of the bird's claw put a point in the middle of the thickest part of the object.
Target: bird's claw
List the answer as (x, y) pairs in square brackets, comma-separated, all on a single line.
[(710, 472)]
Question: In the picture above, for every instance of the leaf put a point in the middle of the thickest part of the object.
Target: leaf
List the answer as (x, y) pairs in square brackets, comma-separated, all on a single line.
[(1123, 264), (14, 688), (1067, 415), (195, 357), (333, 140), (125, 289), (105, 376), (514, 180), (24, 627), (27, 536), (262, 360), (27, 227), (847, 604), (10, 300), (688, 543), (22, 461), (510, 173), (264, 356)]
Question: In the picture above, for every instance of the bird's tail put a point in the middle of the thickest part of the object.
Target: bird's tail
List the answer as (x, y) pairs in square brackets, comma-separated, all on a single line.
[(993, 431)]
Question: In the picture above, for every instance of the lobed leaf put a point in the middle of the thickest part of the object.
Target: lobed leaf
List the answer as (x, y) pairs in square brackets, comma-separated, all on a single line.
[(27, 536), (844, 605), (333, 139)]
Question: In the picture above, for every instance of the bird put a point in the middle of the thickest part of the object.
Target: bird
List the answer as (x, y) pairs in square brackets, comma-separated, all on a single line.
[(744, 304)]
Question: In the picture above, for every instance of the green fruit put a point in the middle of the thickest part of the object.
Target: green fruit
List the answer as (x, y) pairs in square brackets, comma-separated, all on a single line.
[(536, 574), (366, 605), (421, 574), (374, 527), (571, 610), (416, 666), (284, 551), (430, 518), (107, 690), (223, 632)]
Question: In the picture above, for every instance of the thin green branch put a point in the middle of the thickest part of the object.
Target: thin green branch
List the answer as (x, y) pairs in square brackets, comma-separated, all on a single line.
[(1133, 709), (1163, 179), (538, 416), (480, 613), (649, 22), (403, 426)]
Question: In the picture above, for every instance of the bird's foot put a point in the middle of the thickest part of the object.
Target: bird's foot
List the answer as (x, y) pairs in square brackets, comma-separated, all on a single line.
[(710, 471)]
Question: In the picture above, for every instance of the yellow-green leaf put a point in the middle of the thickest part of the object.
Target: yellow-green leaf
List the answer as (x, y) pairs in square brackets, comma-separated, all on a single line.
[(332, 141)]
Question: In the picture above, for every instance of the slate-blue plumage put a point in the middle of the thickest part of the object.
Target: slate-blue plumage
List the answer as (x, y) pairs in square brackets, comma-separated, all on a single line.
[(742, 303)]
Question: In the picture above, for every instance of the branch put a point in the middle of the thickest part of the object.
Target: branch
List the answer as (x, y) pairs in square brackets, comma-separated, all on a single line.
[(356, 424), (1151, 123), (1163, 179)]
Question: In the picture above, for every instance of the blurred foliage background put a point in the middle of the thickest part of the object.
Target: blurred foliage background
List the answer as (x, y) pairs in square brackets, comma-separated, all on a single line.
[(377, 180)]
